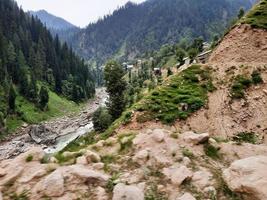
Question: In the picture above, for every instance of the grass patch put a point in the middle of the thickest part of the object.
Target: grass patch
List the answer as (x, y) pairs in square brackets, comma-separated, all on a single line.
[(241, 83), (29, 158), (181, 95), (247, 137), (108, 159), (212, 151), (153, 194), (188, 153), (29, 113), (126, 142), (257, 17), (112, 182)]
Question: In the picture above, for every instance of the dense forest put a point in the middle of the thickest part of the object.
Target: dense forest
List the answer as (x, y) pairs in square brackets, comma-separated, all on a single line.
[(136, 28), (32, 63)]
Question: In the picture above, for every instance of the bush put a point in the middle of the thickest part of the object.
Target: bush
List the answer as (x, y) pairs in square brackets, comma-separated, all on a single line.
[(256, 77), (211, 151), (240, 84), (101, 119), (248, 137)]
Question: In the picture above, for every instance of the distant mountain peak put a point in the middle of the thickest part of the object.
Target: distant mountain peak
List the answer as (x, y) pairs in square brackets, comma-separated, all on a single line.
[(51, 21)]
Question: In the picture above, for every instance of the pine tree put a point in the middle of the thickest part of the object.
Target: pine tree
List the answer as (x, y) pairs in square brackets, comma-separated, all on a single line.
[(43, 98), (241, 13), (180, 54), (116, 86), (12, 98)]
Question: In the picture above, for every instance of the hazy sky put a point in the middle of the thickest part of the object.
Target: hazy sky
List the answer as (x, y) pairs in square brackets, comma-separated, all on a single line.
[(78, 12)]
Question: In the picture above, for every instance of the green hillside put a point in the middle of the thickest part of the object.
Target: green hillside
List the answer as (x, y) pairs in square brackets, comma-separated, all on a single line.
[(257, 17)]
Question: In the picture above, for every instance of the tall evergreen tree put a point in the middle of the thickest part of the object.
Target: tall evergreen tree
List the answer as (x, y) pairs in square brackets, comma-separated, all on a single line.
[(43, 98), (116, 86), (12, 98)]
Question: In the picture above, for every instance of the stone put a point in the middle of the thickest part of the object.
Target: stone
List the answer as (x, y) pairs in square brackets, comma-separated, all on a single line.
[(53, 160), (186, 196), (92, 157), (87, 175), (34, 171), (186, 161), (37, 154), (98, 166), (202, 179), (210, 191), (191, 137), (81, 160), (178, 175), (248, 176), (1, 196), (42, 134), (141, 157), (101, 194), (14, 171), (158, 135), (127, 192), (2, 172), (52, 185)]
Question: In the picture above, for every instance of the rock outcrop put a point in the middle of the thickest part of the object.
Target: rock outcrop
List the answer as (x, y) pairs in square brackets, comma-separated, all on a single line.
[(42, 134), (248, 176), (127, 192)]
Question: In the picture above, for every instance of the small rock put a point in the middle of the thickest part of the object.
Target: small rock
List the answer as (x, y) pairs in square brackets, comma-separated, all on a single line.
[(210, 191), (127, 192), (1, 196), (92, 157), (158, 135), (202, 179), (2, 172), (101, 194), (98, 166), (53, 160), (186, 196), (141, 157), (178, 175), (191, 137), (186, 161), (81, 160)]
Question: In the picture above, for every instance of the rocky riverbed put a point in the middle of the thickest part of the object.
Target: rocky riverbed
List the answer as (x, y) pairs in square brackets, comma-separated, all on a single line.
[(55, 134)]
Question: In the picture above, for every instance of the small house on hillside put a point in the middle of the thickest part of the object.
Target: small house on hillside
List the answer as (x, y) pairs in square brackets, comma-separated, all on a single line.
[(203, 57)]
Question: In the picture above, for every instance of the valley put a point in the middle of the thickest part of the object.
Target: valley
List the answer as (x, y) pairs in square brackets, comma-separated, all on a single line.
[(55, 134), (158, 100)]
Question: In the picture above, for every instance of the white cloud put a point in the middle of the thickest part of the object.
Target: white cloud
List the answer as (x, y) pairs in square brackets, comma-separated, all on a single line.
[(78, 12)]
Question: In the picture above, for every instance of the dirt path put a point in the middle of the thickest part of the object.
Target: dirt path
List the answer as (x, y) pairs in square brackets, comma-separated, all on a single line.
[(67, 128)]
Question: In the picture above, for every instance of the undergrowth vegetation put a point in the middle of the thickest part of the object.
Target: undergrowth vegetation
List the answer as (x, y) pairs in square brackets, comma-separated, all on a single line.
[(181, 95), (257, 17), (242, 82)]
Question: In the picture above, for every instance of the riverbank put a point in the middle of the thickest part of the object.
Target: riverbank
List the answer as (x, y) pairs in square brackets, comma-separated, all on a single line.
[(67, 128)]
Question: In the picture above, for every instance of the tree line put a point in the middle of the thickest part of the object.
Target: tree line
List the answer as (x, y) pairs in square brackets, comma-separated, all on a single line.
[(32, 62)]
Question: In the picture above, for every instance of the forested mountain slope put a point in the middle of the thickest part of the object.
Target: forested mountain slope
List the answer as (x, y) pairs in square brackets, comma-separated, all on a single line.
[(31, 58), (51, 21), (137, 28)]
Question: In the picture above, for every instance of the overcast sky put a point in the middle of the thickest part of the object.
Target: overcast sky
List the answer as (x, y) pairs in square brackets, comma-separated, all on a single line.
[(78, 12)]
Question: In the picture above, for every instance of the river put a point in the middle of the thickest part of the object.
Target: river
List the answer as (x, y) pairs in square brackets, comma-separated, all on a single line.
[(67, 129)]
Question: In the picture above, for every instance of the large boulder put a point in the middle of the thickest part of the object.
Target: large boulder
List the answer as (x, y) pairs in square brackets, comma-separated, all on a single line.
[(248, 176), (52, 185), (127, 192), (42, 134), (186, 196), (178, 175), (193, 138)]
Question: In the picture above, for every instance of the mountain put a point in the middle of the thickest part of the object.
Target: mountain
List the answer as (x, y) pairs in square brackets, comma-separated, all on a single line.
[(51, 21), (136, 28), (30, 59)]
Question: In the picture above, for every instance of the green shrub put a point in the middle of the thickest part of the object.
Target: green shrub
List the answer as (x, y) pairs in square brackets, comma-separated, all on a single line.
[(256, 77), (188, 153), (240, 84), (101, 119), (29, 158), (211, 151), (248, 137)]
